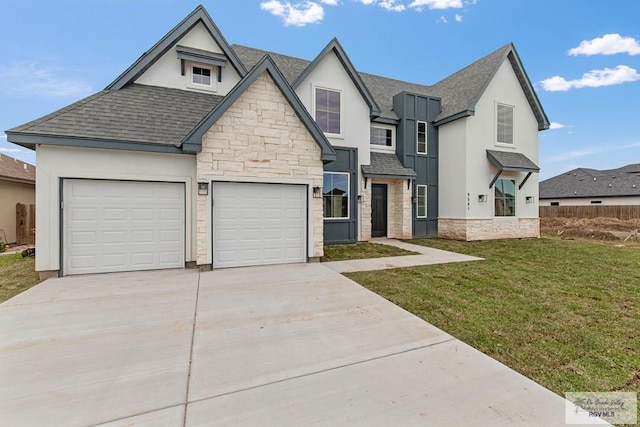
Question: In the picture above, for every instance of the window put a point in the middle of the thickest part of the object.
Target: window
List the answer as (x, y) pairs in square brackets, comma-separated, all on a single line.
[(335, 197), (555, 203), (422, 138), (596, 202), (201, 76), (421, 193), (328, 111), (381, 136), (504, 117), (505, 197)]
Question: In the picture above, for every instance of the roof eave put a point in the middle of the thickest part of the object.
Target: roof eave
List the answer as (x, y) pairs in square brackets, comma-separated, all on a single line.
[(453, 117), (18, 180)]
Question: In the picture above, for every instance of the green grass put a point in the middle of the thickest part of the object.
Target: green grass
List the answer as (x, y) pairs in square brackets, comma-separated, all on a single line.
[(565, 313), (361, 251), (17, 274)]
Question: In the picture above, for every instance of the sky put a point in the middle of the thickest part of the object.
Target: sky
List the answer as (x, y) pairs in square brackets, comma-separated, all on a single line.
[(583, 57)]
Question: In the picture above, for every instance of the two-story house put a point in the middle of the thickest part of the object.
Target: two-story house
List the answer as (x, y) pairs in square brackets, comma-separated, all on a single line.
[(215, 155)]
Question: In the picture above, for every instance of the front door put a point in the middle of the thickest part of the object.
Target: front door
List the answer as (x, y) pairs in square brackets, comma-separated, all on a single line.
[(378, 210)]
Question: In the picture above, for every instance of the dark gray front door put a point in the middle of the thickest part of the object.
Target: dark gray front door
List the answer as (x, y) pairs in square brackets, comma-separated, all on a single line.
[(378, 210)]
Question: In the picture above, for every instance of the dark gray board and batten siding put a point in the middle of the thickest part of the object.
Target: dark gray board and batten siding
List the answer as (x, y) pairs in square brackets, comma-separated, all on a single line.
[(344, 230), (411, 108)]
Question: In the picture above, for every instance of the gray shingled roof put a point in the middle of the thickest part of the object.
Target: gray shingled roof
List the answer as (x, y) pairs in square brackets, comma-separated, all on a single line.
[(386, 165), (510, 160), (582, 182), (459, 92), (135, 113)]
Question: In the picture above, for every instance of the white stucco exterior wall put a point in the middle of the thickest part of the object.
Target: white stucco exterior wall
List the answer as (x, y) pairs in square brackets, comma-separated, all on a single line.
[(586, 201), (166, 71), (55, 163), (330, 74), (452, 174)]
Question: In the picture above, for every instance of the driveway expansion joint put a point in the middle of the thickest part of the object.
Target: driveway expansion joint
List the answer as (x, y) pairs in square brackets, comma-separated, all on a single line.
[(193, 334)]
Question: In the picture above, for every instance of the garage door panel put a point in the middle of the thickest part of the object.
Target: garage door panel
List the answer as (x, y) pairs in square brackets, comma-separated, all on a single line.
[(256, 224), (122, 226)]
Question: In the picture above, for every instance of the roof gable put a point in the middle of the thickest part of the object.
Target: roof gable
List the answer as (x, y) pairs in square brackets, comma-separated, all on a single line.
[(335, 47), (192, 143), (199, 15), (462, 90)]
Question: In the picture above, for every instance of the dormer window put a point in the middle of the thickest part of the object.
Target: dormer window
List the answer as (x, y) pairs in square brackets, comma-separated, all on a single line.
[(201, 76)]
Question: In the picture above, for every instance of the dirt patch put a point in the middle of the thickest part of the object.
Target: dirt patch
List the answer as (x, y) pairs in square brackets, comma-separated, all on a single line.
[(591, 228)]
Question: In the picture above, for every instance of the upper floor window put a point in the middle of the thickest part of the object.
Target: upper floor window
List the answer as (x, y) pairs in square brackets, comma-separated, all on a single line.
[(505, 197), (504, 116), (201, 76), (421, 138), (381, 136), (335, 195), (328, 110)]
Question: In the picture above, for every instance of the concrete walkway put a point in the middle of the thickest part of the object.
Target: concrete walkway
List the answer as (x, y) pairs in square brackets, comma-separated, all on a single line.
[(427, 256), (278, 345)]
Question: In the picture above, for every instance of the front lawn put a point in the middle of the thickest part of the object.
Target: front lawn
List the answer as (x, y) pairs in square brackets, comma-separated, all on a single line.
[(17, 274), (565, 313), (360, 251)]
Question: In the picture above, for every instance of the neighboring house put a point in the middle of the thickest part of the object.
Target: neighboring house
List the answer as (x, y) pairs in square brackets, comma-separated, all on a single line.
[(17, 185), (586, 187), (207, 154)]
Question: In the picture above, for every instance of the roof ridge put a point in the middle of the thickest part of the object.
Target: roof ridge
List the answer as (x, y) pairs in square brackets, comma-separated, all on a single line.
[(268, 52)]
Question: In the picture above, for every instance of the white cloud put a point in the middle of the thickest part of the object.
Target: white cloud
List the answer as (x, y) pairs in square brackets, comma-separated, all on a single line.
[(392, 5), (458, 17), (10, 150), (299, 14), (436, 4), (43, 81), (329, 2), (556, 125), (609, 44), (3, 136), (569, 155), (442, 20), (594, 78)]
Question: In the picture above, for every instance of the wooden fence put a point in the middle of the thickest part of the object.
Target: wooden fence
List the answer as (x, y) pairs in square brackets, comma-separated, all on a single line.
[(25, 224), (592, 211)]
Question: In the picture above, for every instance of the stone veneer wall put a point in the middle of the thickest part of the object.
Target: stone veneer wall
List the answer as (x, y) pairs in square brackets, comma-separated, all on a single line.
[(259, 136), (488, 229), (365, 211)]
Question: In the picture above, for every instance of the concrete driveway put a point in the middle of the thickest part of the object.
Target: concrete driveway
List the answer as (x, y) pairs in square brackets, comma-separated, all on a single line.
[(278, 345)]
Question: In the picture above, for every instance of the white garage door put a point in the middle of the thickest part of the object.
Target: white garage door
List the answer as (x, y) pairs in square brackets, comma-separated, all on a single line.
[(113, 226), (257, 224)]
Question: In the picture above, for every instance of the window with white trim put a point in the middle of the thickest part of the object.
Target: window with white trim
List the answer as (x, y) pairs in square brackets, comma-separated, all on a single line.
[(504, 124), (381, 136), (335, 195), (421, 199), (201, 76), (421, 137), (328, 110), (505, 197)]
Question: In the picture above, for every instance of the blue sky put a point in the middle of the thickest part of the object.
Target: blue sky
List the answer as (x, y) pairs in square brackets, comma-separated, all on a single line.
[(582, 56)]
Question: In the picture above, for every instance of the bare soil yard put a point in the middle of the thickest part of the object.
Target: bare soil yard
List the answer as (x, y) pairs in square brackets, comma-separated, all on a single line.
[(590, 228)]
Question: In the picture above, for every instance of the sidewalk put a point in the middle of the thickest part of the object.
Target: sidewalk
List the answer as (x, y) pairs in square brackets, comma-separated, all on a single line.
[(427, 256)]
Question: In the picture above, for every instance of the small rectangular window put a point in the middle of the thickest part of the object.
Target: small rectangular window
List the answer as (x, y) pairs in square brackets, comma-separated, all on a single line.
[(421, 196), (328, 115), (382, 137), (421, 138), (555, 203), (596, 202), (504, 117), (335, 195), (201, 76), (505, 197)]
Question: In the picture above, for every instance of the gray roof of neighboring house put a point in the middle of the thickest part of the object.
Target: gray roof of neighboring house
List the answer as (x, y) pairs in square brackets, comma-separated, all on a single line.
[(16, 170), (459, 92), (386, 165), (582, 182), (135, 113)]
